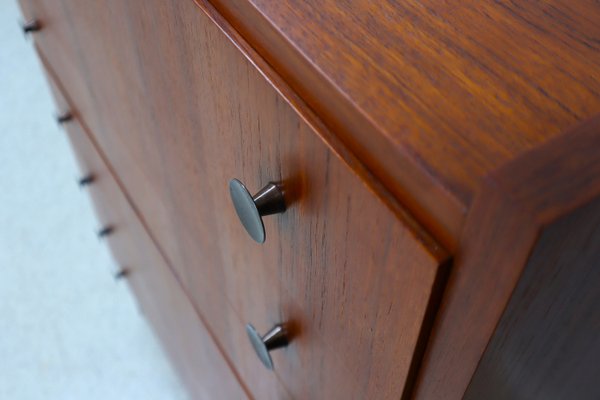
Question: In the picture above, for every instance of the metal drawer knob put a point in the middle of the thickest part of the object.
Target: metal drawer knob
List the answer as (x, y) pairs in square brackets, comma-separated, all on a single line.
[(64, 117), (250, 209), (121, 273), (86, 180), (33, 25), (105, 231), (276, 338)]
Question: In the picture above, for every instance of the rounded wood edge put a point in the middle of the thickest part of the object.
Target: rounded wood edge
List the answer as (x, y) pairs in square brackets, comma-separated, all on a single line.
[(437, 239), (513, 205)]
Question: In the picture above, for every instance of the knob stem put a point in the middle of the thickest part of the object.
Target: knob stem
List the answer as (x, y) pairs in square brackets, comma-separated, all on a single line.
[(269, 200), (276, 338), (33, 25)]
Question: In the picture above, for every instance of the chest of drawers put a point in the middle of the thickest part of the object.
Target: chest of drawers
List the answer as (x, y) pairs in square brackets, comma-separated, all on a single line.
[(410, 223)]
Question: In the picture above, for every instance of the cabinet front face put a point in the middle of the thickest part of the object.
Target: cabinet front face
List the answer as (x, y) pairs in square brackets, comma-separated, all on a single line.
[(179, 112)]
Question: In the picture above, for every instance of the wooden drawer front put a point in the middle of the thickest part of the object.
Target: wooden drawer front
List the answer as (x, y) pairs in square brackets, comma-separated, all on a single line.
[(159, 295), (183, 112)]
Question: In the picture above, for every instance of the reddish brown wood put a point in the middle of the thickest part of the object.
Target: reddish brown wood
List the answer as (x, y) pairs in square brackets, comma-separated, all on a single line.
[(498, 238), (319, 254), (142, 183), (190, 346), (517, 204), (109, 205), (433, 96), (460, 109), (546, 345)]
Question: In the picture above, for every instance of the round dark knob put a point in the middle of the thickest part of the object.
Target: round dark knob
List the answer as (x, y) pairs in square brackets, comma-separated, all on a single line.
[(105, 231), (250, 209), (276, 338), (33, 25), (121, 273), (86, 180), (64, 117)]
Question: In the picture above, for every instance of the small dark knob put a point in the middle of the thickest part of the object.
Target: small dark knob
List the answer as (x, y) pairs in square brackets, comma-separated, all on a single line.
[(64, 117), (86, 180), (276, 338), (33, 25), (105, 231), (122, 273), (250, 209)]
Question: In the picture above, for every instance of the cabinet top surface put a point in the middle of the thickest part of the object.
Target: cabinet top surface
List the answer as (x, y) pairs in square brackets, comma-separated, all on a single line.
[(459, 87)]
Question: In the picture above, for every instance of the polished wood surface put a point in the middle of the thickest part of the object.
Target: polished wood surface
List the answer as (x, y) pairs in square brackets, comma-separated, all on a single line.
[(517, 206), (546, 345), (148, 199), (434, 95), (190, 346), (399, 132), (356, 302)]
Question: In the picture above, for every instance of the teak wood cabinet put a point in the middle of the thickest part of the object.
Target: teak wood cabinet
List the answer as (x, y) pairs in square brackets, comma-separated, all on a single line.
[(430, 223)]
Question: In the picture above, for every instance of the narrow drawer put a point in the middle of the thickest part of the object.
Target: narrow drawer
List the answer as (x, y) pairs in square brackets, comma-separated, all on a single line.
[(161, 298), (179, 111)]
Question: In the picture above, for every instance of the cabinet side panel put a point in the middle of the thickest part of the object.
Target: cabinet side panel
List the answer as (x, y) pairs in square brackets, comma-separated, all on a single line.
[(547, 344), (514, 206)]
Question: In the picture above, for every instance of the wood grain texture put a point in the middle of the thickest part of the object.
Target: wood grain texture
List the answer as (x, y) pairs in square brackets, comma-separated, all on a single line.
[(460, 109), (181, 112), (509, 215), (433, 95), (547, 345), (190, 346), (150, 198)]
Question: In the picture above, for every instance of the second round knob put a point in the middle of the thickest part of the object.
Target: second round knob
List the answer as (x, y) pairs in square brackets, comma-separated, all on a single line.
[(276, 338), (250, 209)]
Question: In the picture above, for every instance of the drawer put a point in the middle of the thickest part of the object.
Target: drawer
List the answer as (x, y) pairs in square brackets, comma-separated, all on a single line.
[(188, 343), (179, 111)]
